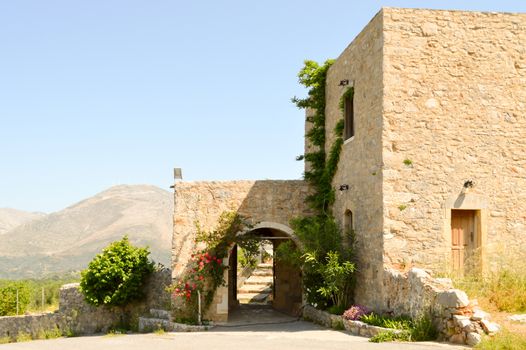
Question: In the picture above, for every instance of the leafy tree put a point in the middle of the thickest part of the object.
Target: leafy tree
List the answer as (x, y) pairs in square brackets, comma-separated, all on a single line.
[(336, 275), (8, 298), (116, 276)]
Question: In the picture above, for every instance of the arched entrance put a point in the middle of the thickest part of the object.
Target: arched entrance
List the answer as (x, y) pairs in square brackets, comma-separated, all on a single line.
[(283, 289)]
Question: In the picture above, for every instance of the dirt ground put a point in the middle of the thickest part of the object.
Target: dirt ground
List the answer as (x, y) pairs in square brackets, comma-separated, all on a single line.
[(501, 317)]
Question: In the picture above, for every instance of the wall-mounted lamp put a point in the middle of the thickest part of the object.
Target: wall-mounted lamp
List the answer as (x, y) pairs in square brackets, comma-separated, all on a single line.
[(469, 184), (344, 82), (344, 187)]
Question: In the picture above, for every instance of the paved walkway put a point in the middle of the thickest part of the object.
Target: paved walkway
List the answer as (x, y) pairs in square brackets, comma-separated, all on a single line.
[(294, 335)]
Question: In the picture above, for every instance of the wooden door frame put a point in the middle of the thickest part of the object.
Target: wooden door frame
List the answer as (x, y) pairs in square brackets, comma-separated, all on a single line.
[(468, 201)]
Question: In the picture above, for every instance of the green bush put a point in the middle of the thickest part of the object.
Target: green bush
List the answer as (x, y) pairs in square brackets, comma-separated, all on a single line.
[(327, 263), (399, 322), (421, 329), (387, 336), (8, 298), (246, 258), (335, 276), (116, 276)]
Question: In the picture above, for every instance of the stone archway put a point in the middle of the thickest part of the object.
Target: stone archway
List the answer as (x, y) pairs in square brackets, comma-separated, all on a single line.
[(269, 205), (287, 291)]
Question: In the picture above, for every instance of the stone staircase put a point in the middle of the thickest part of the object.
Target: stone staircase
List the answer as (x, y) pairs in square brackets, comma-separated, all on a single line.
[(257, 289)]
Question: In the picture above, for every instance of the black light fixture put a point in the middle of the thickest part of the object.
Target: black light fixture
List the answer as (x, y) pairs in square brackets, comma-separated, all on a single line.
[(344, 82), (469, 184), (344, 187)]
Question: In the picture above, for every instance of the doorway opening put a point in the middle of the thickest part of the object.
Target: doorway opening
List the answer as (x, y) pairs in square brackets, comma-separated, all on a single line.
[(466, 242), (267, 282)]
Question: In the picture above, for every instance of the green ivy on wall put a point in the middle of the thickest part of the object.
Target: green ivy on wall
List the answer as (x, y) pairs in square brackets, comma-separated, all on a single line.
[(327, 263)]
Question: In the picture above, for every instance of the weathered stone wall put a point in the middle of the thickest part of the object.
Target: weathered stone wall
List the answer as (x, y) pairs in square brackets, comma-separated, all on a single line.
[(439, 100), (34, 326), (416, 294), (454, 106), (83, 318), (76, 317), (275, 201), (360, 163)]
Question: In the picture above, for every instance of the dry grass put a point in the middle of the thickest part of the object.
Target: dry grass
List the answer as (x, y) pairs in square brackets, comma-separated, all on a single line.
[(504, 340), (502, 288), (501, 292)]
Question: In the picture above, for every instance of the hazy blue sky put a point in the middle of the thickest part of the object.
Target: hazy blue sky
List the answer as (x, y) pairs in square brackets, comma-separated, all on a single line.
[(103, 92)]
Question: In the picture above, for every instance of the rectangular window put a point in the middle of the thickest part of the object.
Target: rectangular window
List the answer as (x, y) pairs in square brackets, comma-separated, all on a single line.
[(348, 105)]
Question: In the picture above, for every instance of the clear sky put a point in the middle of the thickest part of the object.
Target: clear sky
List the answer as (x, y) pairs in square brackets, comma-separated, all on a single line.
[(104, 92)]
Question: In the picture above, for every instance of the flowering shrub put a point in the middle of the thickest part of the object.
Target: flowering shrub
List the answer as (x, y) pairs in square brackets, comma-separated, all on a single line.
[(205, 271), (355, 312), (203, 267)]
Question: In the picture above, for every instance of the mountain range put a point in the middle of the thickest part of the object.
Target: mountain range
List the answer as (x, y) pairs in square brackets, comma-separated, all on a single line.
[(36, 245)]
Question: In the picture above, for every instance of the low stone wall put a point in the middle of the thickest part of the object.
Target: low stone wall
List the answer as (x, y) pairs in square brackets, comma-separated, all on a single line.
[(417, 294), (36, 326), (338, 322), (76, 317), (83, 318)]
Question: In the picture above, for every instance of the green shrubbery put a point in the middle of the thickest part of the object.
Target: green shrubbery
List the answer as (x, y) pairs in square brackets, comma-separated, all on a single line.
[(326, 263), (116, 276), (205, 271), (8, 298), (420, 329), (50, 286)]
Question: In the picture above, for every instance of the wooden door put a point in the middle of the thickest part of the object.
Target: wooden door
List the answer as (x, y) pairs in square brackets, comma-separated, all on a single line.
[(464, 240)]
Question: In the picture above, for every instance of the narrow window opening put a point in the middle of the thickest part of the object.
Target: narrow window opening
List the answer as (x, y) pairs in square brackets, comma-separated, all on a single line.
[(348, 104), (349, 221)]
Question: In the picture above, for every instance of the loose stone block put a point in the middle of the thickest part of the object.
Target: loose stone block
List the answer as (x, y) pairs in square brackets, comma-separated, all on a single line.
[(489, 327), (453, 298), (473, 338)]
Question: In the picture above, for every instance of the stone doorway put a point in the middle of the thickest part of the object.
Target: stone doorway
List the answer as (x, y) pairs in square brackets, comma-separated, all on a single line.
[(465, 241), (282, 290)]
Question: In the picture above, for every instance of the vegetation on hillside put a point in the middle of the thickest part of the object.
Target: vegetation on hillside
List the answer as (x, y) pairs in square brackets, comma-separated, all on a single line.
[(42, 294)]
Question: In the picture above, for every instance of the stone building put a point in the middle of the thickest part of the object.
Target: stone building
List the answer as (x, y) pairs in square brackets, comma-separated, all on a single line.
[(434, 156), (436, 162)]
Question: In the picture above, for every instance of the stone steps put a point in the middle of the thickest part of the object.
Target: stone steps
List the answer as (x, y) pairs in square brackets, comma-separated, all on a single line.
[(255, 288), (250, 298), (160, 314), (259, 280), (264, 273), (258, 287), (264, 266)]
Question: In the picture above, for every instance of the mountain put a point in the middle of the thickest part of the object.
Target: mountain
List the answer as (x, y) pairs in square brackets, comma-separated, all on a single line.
[(67, 240), (11, 218)]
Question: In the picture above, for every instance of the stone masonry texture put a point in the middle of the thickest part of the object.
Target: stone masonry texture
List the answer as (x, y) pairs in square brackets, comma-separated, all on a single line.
[(454, 104), (360, 164), (271, 201), (439, 100)]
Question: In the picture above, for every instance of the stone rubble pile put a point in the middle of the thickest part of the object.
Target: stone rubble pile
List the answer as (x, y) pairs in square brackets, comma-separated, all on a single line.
[(462, 321)]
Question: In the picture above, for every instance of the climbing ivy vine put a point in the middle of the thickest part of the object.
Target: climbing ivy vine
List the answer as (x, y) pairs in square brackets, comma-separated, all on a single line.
[(326, 262)]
